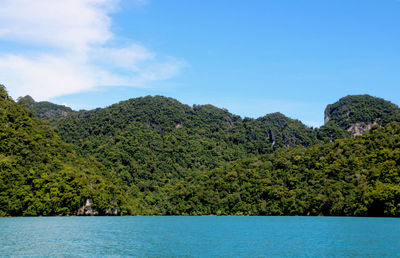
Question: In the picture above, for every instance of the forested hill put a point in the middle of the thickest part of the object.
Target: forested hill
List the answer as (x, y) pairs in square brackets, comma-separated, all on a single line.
[(349, 177), (160, 138), (42, 175), (155, 155), (44, 109), (159, 146), (166, 115), (358, 113)]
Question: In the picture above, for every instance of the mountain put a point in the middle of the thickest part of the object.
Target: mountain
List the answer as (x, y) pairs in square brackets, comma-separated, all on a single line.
[(348, 177), (157, 156), (152, 142), (164, 136), (42, 175), (44, 109), (357, 114)]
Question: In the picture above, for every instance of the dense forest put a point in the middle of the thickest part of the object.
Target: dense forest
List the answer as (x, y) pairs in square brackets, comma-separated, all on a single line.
[(348, 177), (155, 155), (158, 138), (42, 175), (44, 109), (357, 114)]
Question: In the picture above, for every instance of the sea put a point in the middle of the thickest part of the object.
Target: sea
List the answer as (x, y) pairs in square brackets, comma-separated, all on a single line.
[(205, 236)]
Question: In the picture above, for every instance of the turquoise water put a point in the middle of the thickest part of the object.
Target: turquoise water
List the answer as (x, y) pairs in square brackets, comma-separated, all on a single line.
[(200, 236)]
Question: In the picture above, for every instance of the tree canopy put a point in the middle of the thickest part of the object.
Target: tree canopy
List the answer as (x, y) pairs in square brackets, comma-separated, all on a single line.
[(155, 155)]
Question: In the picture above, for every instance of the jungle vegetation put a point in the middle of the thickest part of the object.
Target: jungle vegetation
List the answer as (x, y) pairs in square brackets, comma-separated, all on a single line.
[(157, 156)]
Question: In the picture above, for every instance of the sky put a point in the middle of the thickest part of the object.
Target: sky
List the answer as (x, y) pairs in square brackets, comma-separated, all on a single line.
[(251, 57)]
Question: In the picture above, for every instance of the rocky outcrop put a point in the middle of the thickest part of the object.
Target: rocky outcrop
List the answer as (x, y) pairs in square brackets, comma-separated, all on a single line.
[(356, 129), (272, 137), (357, 114), (229, 121), (327, 116), (54, 113), (112, 211), (44, 109), (87, 209), (360, 128)]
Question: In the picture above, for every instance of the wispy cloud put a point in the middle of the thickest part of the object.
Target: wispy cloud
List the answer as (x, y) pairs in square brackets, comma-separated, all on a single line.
[(75, 34)]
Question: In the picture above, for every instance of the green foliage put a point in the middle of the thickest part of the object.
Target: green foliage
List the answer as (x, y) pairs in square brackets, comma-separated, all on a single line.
[(361, 108), (348, 177), (39, 173), (152, 141), (203, 160), (156, 156), (44, 109), (157, 136), (331, 132)]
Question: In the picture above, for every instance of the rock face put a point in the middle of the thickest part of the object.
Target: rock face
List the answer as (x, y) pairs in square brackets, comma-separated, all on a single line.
[(360, 128), (44, 109), (112, 211), (359, 113), (272, 136), (327, 116), (86, 209)]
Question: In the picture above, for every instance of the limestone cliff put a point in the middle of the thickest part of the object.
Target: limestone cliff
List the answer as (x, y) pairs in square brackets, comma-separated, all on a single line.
[(88, 209), (357, 114), (44, 109)]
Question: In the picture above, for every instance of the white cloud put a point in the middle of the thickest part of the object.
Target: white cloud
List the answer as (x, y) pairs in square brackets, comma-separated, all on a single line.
[(127, 57), (75, 33), (44, 76), (69, 24)]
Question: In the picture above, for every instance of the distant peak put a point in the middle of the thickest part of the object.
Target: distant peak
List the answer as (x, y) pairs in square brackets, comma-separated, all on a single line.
[(27, 99), (358, 113)]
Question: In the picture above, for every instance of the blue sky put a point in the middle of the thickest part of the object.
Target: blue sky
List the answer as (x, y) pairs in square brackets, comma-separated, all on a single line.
[(251, 57)]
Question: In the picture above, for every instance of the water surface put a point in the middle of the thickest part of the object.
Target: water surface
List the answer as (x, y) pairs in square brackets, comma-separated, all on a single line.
[(200, 236)]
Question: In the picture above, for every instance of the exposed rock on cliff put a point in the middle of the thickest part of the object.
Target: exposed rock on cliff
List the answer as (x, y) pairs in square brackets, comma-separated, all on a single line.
[(359, 113), (44, 109), (87, 209), (360, 128)]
